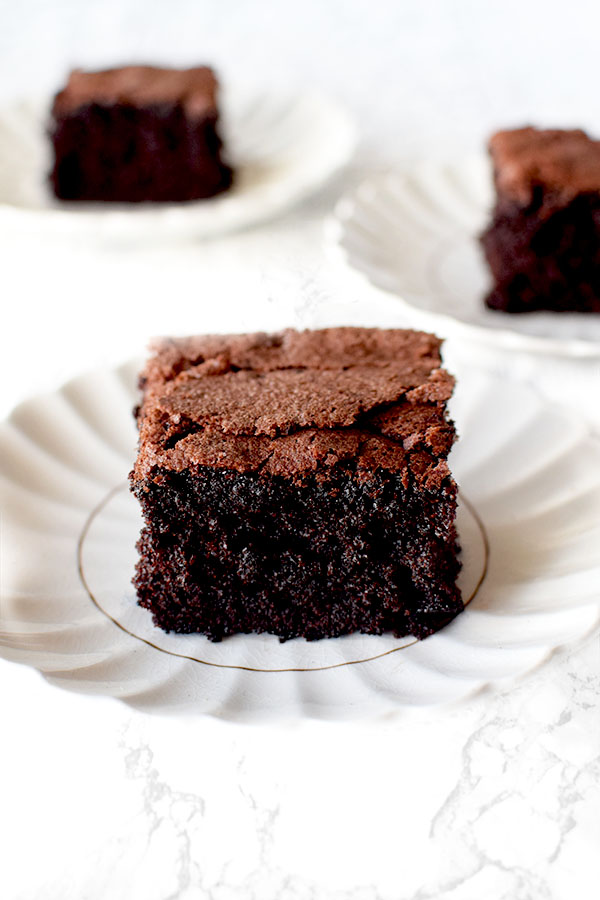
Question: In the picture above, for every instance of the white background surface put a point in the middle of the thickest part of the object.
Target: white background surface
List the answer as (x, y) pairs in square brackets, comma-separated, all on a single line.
[(497, 798)]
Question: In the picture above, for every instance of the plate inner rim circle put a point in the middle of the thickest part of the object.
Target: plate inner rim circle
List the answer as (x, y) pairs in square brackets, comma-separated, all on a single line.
[(351, 662)]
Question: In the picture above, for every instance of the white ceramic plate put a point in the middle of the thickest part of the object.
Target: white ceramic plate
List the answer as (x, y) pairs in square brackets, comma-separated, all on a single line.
[(529, 525), (283, 149), (415, 234)]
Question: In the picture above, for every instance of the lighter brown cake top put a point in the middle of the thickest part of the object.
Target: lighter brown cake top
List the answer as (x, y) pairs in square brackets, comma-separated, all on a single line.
[(563, 163), (195, 89), (291, 402)]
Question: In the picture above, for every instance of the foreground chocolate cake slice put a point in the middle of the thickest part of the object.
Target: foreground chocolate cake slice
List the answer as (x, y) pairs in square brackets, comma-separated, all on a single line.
[(138, 133), (297, 484), (543, 244)]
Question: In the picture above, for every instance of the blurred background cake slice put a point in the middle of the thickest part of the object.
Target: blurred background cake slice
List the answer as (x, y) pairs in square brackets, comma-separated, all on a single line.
[(543, 243), (138, 133)]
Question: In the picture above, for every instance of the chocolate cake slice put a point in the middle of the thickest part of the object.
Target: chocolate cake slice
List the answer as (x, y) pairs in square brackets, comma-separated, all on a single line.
[(138, 133), (543, 244), (297, 484)]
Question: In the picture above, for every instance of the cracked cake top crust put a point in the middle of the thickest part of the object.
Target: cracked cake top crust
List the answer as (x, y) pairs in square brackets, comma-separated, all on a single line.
[(297, 403)]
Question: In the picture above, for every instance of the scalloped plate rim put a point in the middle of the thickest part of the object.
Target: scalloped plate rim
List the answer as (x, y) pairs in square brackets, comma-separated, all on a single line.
[(385, 705), (159, 219)]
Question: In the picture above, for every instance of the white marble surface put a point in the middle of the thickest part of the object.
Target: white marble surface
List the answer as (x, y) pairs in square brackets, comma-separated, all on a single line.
[(496, 798)]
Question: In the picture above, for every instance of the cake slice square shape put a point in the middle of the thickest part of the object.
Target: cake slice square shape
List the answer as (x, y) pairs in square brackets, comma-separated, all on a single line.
[(543, 242), (297, 484), (138, 134)]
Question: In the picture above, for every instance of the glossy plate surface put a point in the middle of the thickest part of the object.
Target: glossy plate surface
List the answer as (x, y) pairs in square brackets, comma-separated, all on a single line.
[(415, 235), (529, 523), (283, 149)]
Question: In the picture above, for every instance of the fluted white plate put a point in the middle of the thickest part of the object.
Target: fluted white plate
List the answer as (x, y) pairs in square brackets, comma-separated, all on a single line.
[(415, 234), (283, 148), (529, 525)]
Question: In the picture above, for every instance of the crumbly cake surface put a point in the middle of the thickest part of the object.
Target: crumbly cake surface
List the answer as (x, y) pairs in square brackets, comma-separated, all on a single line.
[(290, 399), (297, 483)]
